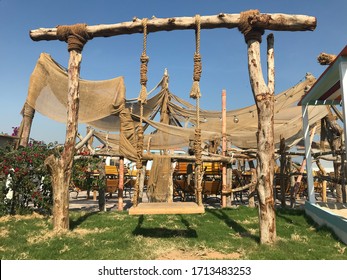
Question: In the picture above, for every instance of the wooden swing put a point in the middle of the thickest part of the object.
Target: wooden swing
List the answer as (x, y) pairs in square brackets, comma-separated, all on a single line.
[(169, 207)]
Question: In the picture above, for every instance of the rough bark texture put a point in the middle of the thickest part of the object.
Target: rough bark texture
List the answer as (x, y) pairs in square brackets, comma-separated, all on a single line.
[(61, 167), (264, 98), (281, 22)]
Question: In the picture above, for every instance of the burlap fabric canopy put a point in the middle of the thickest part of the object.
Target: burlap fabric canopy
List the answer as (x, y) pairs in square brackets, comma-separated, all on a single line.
[(48, 88), (103, 105)]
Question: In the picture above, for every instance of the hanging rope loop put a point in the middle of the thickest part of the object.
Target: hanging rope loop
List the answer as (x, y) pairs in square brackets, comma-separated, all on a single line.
[(195, 90)]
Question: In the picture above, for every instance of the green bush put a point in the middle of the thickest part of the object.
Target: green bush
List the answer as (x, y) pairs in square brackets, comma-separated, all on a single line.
[(25, 184)]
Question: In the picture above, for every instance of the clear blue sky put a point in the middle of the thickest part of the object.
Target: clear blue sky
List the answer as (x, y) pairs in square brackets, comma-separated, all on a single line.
[(223, 50)]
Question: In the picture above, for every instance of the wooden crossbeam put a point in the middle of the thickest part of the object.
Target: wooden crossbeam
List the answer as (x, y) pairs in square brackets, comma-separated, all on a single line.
[(278, 22)]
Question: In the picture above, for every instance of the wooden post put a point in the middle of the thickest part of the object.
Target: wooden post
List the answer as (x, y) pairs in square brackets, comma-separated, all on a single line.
[(170, 184), (224, 150), (264, 99), (291, 167), (102, 186), (61, 167), (142, 182), (324, 182), (282, 171), (25, 127), (121, 183), (333, 134), (252, 189)]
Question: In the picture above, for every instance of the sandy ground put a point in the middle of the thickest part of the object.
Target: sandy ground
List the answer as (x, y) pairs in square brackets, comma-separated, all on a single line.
[(339, 209)]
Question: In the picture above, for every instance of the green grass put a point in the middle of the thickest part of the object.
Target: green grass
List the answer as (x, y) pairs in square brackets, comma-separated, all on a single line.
[(217, 234)]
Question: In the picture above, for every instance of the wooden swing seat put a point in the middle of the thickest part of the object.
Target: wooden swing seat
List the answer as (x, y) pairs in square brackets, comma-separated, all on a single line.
[(166, 208)]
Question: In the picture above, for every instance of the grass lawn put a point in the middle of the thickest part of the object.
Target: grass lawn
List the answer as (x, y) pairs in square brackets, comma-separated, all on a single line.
[(217, 234)]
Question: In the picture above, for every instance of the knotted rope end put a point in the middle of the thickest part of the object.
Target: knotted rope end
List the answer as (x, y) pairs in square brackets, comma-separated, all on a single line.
[(195, 90)]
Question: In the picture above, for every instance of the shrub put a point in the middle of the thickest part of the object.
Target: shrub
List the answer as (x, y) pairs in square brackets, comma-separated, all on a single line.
[(25, 184)]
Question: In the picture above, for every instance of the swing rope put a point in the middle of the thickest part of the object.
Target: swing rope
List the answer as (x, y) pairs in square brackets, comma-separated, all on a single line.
[(196, 94), (142, 100), (143, 69), (195, 90)]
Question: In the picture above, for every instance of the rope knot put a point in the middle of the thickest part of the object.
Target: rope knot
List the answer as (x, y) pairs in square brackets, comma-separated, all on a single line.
[(197, 67), (139, 150), (247, 20), (75, 35), (143, 68), (195, 90), (28, 111), (197, 146)]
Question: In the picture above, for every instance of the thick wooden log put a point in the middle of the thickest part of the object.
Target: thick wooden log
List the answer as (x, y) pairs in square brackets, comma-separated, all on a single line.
[(264, 99), (61, 167), (279, 22)]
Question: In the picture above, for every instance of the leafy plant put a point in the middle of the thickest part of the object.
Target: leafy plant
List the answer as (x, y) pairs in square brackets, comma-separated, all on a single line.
[(82, 170), (24, 180)]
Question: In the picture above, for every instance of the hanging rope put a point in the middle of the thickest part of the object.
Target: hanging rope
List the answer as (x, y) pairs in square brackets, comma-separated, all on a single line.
[(143, 69), (142, 99), (196, 94), (195, 91)]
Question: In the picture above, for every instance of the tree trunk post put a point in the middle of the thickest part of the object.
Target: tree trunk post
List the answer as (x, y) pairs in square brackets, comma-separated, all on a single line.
[(283, 181), (324, 182), (61, 167), (121, 183), (264, 99), (102, 186), (225, 191), (252, 189), (334, 134)]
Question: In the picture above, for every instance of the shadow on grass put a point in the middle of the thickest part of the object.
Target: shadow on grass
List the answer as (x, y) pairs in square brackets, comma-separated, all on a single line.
[(80, 220), (283, 213), (220, 214), (157, 232)]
